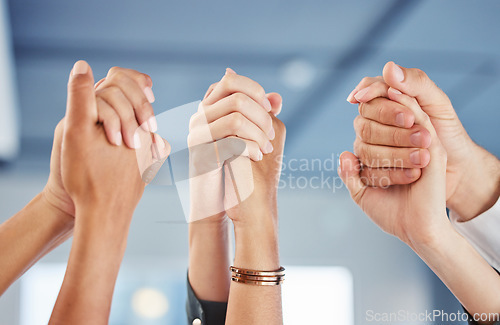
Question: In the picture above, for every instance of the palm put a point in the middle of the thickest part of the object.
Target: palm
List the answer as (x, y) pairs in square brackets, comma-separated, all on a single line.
[(398, 210)]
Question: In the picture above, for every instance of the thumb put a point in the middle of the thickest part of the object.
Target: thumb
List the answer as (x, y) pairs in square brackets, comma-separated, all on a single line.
[(349, 169), (81, 108), (276, 103), (415, 83)]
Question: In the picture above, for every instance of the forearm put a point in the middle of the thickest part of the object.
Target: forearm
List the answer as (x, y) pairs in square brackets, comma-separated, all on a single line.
[(475, 284), (94, 262), (209, 259), (480, 187), (29, 235), (257, 249)]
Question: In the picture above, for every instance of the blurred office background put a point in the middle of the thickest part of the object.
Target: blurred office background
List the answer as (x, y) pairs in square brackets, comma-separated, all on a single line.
[(313, 53)]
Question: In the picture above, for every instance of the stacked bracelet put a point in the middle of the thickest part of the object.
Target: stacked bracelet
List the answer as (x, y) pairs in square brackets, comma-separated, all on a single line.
[(262, 278)]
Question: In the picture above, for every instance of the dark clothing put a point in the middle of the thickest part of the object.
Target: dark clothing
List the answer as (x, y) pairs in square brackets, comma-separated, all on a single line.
[(208, 312)]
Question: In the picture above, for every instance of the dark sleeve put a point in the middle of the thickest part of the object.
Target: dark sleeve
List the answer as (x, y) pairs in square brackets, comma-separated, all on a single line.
[(208, 312), (471, 319)]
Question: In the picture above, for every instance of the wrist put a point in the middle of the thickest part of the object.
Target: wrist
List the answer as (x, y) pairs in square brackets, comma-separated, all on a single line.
[(58, 219), (257, 245), (432, 240), (103, 226), (479, 185)]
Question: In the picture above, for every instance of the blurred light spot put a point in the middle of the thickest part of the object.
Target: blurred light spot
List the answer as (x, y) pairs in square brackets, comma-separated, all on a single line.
[(298, 74), (305, 299), (149, 303)]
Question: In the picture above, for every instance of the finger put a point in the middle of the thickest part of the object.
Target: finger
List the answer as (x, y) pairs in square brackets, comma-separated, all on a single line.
[(276, 103), (111, 122), (231, 147), (383, 156), (235, 124), (365, 82), (81, 110), (387, 112), (210, 89), (415, 83), (376, 89), (97, 84), (132, 84), (384, 177), (151, 155), (372, 132), (348, 171), (119, 102), (436, 150), (160, 147), (142, 79), (421, 117), (232, 83), (245, 105)]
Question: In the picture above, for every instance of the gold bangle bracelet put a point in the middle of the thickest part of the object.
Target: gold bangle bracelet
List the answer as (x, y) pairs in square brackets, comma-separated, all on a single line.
[(279, 272), (257, 278), (259, 283)]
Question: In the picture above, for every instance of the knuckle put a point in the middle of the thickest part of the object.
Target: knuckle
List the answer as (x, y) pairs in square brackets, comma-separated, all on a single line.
[(192, 120), (421, 76), (114, 70), (362, 109), (397, 137), (239, 100), (235, 121), (80, 83), (119, 76), (365, 130), (379, 84), (227, 81), (144, 79), (260, 92), (365, 81), (190, 140)]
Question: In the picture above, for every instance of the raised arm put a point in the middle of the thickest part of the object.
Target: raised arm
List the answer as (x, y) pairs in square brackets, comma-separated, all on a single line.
[(232, 120), (104, 182)]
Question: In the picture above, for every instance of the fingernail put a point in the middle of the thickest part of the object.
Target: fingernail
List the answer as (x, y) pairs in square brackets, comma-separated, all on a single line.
[(149, 94), (80, 67), (409, 172), (268, 148), (267, 104), (361, 93), (351, 95), (400, 120), (272, 134), (398, 73), (145, 126), (229, 70), (416, 138), (259, 158), (153, 126), (137, 141), (395, 91), (415, 157), (118, 138)]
